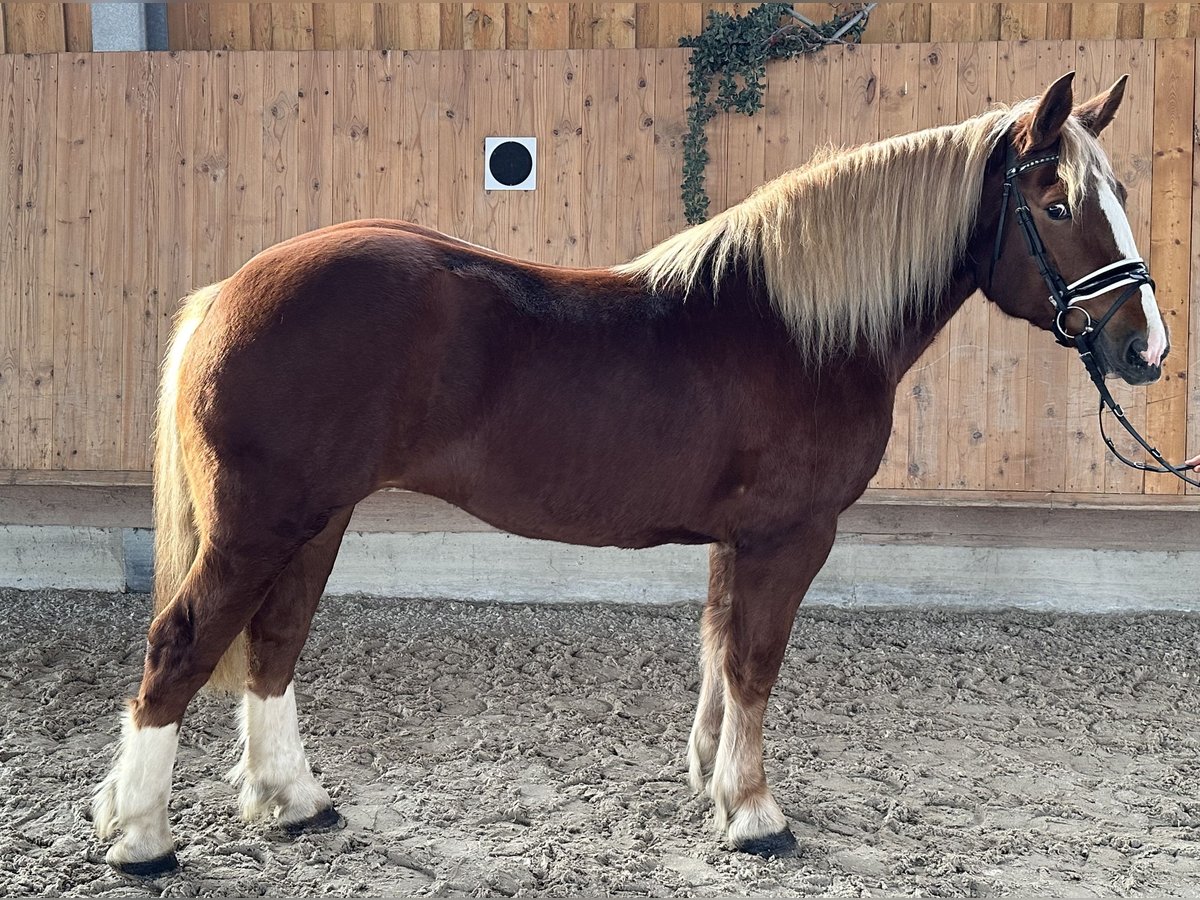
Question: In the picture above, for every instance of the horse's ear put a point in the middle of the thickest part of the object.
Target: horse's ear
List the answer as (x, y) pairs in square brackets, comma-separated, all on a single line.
[(1052, 111), (1099, 111)]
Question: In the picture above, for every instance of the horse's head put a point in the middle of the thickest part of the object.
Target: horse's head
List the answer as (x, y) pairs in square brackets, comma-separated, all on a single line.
[(1063, 255)]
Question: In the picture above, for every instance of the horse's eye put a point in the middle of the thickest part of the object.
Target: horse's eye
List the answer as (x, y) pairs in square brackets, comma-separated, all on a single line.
[(1058, 211)]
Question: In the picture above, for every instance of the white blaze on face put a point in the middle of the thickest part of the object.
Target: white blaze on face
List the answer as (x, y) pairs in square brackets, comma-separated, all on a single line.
[(1156, 332)]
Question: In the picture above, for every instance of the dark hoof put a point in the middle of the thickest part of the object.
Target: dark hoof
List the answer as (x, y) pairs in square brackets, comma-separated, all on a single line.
[(150, 868), (328, 819), (780, 846)]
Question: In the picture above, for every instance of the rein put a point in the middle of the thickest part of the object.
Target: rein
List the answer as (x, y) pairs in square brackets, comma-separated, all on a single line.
[(1063, 297)]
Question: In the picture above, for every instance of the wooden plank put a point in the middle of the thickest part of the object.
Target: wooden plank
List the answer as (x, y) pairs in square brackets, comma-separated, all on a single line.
[(1129, 20), (549, 26), (965, 466), (459, 169), (964, 22), (483, 26), (315, 138), (898, 23), (1047, 366), (634, 152), (451, 17), (177, 26), (598, 183), (3, 39), (869, 521), (291, 26), (71, 214), (408, 26), (179, 78), (614, 25), (926, 383), (1130, 142), (419, 157), (516, 211), (281, 176), (784, 145), (1058, 21), (671, 98), (77, 25), (819, 104), (15, 484), (516, 26), (353, 26), (324, 26), (1095, 62), (678, 20), (1022, 21), (198, 33), (1166, 20), (1194, 310), (487, 116), (1030, 521), (229, 26), (104, 405), (34, 28), (899, 86), (212, 165), (860, 93), (140, 226), (646, 36), (12, 164), (581, 24), (1016, 79), (40, 231), (745, 144), (351, 173), (386, 123), (1094, 20), (558, 112), (242, 233), (1171, 244), (261, 33)]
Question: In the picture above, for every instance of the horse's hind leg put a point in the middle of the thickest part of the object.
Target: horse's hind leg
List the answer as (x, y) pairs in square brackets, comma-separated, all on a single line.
[(706, 729), (222, 591), (274, 774), (768, 581)]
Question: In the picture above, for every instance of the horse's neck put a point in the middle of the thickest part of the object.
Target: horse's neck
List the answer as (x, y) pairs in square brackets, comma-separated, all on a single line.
[(916, 339)]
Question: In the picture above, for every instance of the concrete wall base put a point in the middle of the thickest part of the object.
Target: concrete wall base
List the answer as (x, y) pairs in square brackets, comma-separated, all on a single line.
[(501, 567)]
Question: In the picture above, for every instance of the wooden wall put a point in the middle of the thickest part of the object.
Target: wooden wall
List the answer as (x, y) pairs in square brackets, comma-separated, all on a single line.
[(129, 179), (55, 27)]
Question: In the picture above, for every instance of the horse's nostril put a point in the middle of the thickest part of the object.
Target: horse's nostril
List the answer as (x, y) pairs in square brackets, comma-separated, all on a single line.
[(1133, 353)]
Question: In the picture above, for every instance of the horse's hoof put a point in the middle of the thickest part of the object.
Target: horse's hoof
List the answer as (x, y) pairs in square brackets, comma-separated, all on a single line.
[(150, 868), (780, 845), (328, 819)]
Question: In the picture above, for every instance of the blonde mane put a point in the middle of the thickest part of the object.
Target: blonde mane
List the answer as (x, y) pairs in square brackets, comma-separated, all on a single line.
[(852, 242)]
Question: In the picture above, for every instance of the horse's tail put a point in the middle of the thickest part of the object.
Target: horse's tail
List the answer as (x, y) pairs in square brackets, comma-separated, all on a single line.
[(176, 538)]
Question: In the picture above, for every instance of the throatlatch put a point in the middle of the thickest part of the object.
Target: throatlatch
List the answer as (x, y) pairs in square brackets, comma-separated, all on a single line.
[(1131, 272)]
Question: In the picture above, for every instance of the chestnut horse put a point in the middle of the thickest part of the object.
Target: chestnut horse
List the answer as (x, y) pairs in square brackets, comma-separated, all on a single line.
[(733, 386)]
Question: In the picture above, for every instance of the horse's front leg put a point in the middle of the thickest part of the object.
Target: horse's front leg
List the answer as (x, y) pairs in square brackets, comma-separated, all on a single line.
[(767, 580)]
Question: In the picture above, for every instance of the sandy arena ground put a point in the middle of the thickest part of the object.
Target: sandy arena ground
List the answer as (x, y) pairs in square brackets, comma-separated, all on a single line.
[(500, 750)]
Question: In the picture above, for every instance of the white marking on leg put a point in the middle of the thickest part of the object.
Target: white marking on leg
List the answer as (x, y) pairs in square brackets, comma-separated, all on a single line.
[(274, 774), (745, 808), (1156, 331), (702, 745), (133, 798)]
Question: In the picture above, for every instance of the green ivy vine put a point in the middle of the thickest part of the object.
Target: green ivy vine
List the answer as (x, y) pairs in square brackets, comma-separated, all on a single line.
[(733, 52)]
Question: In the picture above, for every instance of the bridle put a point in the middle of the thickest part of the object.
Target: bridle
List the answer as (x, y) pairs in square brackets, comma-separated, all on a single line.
[(1063, 297)]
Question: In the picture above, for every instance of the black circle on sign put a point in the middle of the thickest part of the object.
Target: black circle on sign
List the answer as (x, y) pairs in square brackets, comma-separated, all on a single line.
[(510, 163)]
